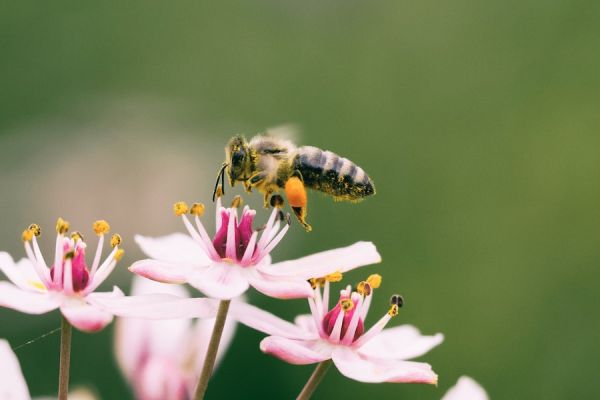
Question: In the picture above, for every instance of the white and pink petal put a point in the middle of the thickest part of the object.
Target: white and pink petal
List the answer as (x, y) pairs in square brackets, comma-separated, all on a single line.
[(162, 271), (174, 248), (370, 370), (221, 281), (278, 287), (400, 343), (298, 352), (466, 389), (12, 382), (327, 262), (26, 301), (266, 322), (85, 317)]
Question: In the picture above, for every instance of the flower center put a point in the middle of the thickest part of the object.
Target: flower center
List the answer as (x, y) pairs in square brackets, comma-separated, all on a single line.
[(347, 306), (74, 252)]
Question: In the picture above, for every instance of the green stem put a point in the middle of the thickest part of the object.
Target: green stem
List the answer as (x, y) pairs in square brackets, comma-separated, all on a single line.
[(65, 359), (314, 380), (211, 353)]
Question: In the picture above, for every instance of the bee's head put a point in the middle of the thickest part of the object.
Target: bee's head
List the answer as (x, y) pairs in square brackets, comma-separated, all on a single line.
[(239, 159)]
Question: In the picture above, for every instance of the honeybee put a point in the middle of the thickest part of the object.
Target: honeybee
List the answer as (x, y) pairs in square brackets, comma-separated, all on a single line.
[(269, 164)]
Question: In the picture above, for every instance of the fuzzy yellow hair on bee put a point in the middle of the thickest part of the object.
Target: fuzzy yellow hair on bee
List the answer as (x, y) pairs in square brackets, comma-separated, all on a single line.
[(270, 164)]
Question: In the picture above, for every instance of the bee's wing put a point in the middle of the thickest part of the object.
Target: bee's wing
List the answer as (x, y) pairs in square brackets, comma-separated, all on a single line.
[(289, 131)]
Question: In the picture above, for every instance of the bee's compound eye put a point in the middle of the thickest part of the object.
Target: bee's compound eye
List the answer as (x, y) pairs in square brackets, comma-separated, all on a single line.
[(237, 156)]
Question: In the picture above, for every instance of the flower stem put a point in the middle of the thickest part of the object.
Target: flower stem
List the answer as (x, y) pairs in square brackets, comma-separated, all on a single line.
[(211, 352), (65, 359), (314, 380)]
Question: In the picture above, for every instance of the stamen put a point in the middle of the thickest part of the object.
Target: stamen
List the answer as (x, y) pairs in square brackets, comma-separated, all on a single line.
[(27, 235), (62, 226), (77, 236), (115, 240), (334, 277), (397, 299), (374, 280), (277, 201), (203, 237), (276, 240), (351, 331), (347, 305), (237, 201), (250, 249), (68, 274), (325, 299), (35, 229), (336, 332), (119, 255), (180, 208), (101, 227), (197, 209), (364, 288)]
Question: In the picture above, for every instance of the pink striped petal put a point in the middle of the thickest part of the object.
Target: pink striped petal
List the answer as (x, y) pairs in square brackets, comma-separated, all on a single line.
[(21, 273), (12, 382), (155, 306), (266, 322), (26, 301), (400, 343), (161, 271), (298, 352), (466, 389), (84, 316), (306, 322), (220, 281), (174, 248), (371, 370), (279, 288), (320, 264)]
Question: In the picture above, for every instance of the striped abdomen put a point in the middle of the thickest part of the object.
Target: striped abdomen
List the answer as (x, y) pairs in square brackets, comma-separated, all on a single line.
[(332, 174)]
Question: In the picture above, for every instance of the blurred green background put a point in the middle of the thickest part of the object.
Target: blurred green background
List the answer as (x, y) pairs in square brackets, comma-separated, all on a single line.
[(478, 121)]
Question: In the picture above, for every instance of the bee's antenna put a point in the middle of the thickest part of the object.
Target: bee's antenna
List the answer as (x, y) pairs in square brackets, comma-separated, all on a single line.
[(220, 176)]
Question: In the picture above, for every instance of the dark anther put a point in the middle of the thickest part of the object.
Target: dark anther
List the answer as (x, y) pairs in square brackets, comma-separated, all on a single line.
[(276, 201), (397, 300)]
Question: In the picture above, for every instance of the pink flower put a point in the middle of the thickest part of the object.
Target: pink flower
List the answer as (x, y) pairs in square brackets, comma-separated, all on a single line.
[(69, 283), (162, 359), (466, 389), (375, 355), (12, 382), (238, 256)]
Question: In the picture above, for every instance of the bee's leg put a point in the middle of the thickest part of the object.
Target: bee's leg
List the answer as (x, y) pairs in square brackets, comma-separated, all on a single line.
[(266, 200), (247, 186), (296, 195)]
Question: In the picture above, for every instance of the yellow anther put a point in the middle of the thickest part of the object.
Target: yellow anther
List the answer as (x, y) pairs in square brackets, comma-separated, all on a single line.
[(27, 235), (35, 229), (316, 282), (101, 227), (374, 280), (393, 311), (62, 226), (237, 201), (119, 254), (180, 208), (347, 305), (219, 191), (334, 277), (364, 288), (197, 209), (77, 236), (115, 240)]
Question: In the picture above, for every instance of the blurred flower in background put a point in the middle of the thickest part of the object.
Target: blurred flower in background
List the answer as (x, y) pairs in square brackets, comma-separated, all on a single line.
[(162, 360)]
